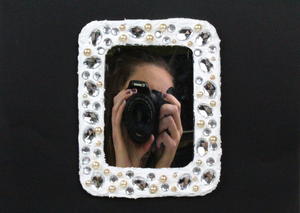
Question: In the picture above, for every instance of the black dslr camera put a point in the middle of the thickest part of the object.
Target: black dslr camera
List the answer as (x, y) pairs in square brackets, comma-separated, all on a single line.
[(141, 113)]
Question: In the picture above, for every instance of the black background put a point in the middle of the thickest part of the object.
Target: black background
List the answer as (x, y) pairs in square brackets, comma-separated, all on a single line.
[(38, 105)]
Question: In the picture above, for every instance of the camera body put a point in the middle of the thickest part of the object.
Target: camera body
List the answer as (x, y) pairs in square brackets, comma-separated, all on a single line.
[(141, 113)]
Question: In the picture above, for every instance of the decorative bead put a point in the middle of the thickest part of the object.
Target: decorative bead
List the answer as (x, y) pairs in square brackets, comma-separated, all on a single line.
[(213, 103), (119, 174), (174, 41), (173, 188), (199, 162), (213, 139), (88, 182), (98, 130), (199, 94), (194, 179), (96, 165), (201, 123), (106, 171), (98, 143), (212, 77), (123, 38), (148, 27), (87, 52), (190, 43), (149, 38), (111, 189), (174, 174), (153, 189), (99, 84), (195, 188), (197, 27), (163, 178), (163, 27), (122, 27), (123, 183)]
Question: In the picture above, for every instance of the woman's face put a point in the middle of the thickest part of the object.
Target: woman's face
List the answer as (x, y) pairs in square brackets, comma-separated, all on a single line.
[(157, 77)]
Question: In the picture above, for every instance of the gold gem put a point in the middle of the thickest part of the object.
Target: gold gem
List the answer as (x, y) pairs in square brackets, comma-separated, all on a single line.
[(199, 162), (99, 84), (148, 27), (163, 27), (153, 189), (87, 52), (213, 58), (119, 174), (195, 179), (197, 27), (106, 171), (122, 27), (195, 188), (213, 139), (213, 103), (98, 130), (199, 94), (88, 182), (96, 165), (84, 96), (175, 174), (163, 178), (201, 123), (212, 77), (190, 43), (123, 38), (173, 188), (123, 183), (149, 37), (98, 143), (111, 188), (174, 41)]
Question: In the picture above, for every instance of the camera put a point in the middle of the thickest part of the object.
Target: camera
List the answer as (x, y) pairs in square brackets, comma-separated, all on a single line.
[(141, 113)]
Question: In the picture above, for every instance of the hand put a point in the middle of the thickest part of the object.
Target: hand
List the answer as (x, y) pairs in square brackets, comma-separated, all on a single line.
[(170, 130), (127, 153)]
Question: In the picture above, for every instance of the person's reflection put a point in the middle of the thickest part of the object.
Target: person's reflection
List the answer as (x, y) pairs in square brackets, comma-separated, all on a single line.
[(157, 152)]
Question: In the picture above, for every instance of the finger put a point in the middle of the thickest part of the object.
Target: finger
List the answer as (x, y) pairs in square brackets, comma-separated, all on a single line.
[(119, 99), (169, 143), (171, 99), (169, 109), (168, 123), (146, 146)]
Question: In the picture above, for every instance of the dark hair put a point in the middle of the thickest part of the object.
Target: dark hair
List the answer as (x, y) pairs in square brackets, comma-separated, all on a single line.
[(120, 65)]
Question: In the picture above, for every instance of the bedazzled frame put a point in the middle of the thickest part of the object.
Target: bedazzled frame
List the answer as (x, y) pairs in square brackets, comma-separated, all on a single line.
[(200, 176)]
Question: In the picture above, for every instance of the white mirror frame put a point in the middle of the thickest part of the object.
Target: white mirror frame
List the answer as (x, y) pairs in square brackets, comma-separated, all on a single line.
[(203, 173)]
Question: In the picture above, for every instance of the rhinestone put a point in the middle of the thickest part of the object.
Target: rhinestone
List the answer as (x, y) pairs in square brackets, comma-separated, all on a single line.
[(201, 123), (197, 52), (120, 174), (191, 44), (113, 178), (202, 147), (140, 183), (212, 77), (92, 62), (208, 177), (149, 38), (85, 160), (89, 135), (210, 161), (97, 153), (205, 110), (171, 28), (101, 50), (137, 32), (199, 80), (129, 174), (212, 49), (206, 132), (106, 171), (163, 178), (158, 34), (122, 27), (205, 65), (163, 27), (184, 34), (212, 139), (199, 162), (96, 106), (164, 187), (153, 189), (98, 130), (88, 182), (91, 88), (95, 37), (86, 170), (203, 38), (96, 165), (212, 103), (85, 75), (114, 31), (97, 181), (151, 176), (166, 40), (148, 27), (174, 189), (85, 103), (214, 146), (97, 76), (196, 170), (129, 190), (108, 41), (184, 181), (197, 27), (212, 123), (123, 183), (195, 188), (123, 38), (210, 89), (87, 52), (106, 29), (90, 117), (85, 150), (112, 189)]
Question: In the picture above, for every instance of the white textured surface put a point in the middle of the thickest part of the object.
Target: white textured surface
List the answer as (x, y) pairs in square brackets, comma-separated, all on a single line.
[(84, 42)]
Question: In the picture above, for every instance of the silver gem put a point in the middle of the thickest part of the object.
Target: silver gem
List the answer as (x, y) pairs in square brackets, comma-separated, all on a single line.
[(97, 76), (184, 34), (90, 117), (202, 147), (171, 28), (184, 181), (129, 190), (140, 183), (85, 160), (158, 34), (205, 110), (85, 103), (210, 89), (97, 181), (203, 38), (85, 150), (205, 65), (166, 40), (129, 174), (96, 106), (114, 31), (97, 153), (86, 170), (165, 187), (106, 29), (95, 37), (196, 170), (92, 62), (137, 32), (89, 135), (108, 41), (113, 178), (210, 161), (208, 176), (214, 146), (91, 88), (101, 50), (198, 80), (85, 75), (212, 48), (206, 132), (212, 123), (197, 52), (151, 176)]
